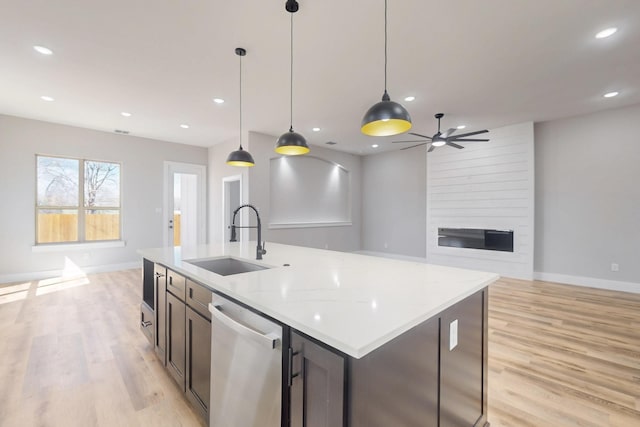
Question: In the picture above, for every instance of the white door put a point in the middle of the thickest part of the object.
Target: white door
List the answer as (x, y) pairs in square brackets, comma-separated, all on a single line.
[(184, 210)]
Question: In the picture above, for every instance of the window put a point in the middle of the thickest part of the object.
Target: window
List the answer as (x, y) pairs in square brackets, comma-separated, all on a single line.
[(77, 200)]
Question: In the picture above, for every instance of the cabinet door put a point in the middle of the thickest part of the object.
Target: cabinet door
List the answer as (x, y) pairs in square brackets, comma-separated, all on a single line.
[(198, 362), (317, 389), (462, 366), (176, 361), (160, 274)]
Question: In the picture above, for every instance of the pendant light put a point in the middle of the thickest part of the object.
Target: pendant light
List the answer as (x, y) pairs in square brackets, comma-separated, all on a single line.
[(240, 157), (291, 143), (386, 117)]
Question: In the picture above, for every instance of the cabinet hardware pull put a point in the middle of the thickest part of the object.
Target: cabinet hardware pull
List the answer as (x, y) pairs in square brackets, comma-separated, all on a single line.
[(159, 274), (290, 374)]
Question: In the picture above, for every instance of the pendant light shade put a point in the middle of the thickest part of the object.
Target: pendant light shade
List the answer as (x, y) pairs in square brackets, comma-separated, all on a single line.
[(240, 157), (291, 143), (386, 117)]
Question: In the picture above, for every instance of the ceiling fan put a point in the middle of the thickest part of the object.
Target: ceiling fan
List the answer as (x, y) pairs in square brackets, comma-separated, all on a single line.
[(444, 138)]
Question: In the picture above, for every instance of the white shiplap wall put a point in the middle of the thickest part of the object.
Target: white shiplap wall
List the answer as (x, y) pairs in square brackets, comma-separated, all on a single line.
[(485, 185)]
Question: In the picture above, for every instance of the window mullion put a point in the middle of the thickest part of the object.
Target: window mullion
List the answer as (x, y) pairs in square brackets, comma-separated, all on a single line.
[(81, 213)]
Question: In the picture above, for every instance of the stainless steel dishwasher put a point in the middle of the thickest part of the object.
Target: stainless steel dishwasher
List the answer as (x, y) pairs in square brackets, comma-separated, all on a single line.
[(246, 367)]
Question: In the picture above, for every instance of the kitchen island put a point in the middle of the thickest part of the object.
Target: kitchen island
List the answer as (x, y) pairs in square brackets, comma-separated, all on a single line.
[(366, 341)]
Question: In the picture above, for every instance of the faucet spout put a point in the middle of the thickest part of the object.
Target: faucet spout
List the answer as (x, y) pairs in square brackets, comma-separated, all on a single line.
[(260, 247)]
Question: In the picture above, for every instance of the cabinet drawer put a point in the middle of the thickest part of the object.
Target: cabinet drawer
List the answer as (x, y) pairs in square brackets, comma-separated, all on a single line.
[(176, 284), (146, 321), (198, 298)]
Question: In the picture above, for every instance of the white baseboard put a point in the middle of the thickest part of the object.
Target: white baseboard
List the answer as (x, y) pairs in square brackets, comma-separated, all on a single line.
[(590, 282), (38, 275)]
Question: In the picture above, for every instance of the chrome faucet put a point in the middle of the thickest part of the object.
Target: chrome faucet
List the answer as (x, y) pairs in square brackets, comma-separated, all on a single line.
[(260, 249)]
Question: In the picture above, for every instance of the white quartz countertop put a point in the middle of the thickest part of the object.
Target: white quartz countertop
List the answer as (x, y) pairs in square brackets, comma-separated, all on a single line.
[(354, 303)]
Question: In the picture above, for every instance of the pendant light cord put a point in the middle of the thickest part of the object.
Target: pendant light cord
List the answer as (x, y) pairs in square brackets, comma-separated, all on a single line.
[(240, 101), (385, 46), (291, 80)]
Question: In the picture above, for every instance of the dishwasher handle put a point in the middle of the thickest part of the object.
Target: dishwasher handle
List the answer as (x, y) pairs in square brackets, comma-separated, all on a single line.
[(270, 340)]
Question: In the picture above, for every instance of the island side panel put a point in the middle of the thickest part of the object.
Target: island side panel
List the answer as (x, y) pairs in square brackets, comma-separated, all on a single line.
[(463, 365), (397, 384)]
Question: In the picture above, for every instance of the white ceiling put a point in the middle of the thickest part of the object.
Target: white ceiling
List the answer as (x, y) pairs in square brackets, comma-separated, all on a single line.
[(484, 63)]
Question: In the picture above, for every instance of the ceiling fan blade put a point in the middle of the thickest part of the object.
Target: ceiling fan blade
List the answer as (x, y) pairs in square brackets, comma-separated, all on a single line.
[(413, 146), (421, 136), (466, 140), (454, 145), (433, 147), (462, 135), (448, 132), (413, 140)]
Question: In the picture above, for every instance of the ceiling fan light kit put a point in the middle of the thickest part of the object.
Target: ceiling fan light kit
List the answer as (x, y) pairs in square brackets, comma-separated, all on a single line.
[(291, 143), (240, 157), (387, 117)]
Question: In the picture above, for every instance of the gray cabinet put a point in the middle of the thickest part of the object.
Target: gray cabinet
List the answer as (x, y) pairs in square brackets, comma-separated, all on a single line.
[(160, 294), (463, 372), (433, 375), (397, 384), (198, 369), (176, 342), (317, 388)]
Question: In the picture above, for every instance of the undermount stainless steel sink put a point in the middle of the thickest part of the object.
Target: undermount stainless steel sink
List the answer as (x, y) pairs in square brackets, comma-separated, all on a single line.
[(226, 266)]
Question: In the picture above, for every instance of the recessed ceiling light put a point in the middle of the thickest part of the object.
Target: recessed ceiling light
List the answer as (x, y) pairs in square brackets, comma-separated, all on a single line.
[(125, 114), (316, 129), (43, 50), (606, 33), (611, 94), (375, 146), (218, 100), (461, 127), (184, 126), (410, 98), (47, 98)]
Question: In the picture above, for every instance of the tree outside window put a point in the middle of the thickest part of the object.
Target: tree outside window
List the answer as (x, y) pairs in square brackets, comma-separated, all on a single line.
[(74, 209)]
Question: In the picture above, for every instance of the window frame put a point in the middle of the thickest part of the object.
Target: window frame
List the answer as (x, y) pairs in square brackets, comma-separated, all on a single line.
[(80, 208)]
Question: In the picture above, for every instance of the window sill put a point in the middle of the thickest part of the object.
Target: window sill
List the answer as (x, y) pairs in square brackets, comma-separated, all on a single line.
[(61, 247)]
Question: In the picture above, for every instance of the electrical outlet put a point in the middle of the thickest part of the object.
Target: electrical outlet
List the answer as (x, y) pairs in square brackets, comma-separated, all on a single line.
[(615, 267), (386, 245), (453, 335)]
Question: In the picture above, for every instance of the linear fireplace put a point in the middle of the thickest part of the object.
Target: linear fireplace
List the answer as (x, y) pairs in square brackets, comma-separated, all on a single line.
[(476, 238)]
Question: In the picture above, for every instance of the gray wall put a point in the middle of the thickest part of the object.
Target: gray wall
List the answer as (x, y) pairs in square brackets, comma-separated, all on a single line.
[(142, 173), (394, 206), (341, 238), (588, 196)]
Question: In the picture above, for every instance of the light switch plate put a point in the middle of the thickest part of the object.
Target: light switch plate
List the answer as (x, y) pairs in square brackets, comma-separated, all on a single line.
[(453, 335)]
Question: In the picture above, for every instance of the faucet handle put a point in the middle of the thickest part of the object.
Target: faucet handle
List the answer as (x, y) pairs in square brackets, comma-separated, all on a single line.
[(264, 245)]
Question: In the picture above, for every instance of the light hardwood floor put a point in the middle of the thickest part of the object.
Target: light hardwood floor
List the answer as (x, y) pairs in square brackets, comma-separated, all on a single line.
[(72, 354), (563, 355)]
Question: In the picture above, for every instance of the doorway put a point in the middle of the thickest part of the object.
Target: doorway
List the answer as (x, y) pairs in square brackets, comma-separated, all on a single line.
[(184, 200)]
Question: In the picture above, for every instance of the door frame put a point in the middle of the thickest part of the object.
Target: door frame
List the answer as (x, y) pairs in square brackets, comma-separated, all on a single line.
[(187, 168), (242, 237)]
